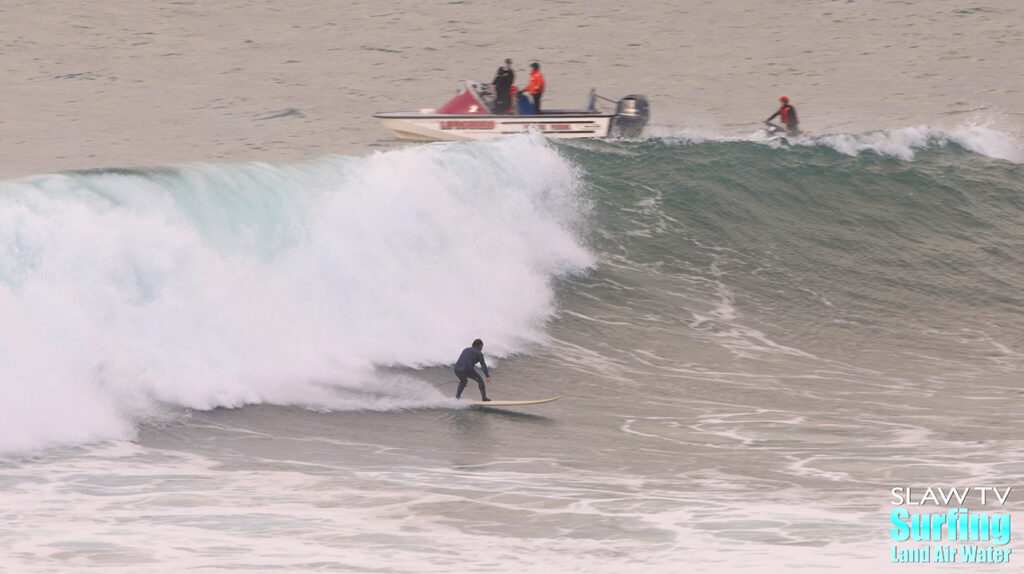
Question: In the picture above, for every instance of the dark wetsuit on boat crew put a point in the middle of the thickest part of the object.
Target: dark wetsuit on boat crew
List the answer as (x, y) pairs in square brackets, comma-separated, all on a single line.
[(464, 369), (503, 81)]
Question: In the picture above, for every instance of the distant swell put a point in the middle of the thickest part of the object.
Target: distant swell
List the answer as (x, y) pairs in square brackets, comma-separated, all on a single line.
[(903, 143), (903, 246)]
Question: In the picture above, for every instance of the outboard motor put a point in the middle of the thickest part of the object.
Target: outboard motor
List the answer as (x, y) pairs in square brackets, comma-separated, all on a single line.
[(631, 116)]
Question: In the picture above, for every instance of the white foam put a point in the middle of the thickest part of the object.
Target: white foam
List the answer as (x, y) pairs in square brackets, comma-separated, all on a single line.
[(987, 141), (903, 143), (221, 285)]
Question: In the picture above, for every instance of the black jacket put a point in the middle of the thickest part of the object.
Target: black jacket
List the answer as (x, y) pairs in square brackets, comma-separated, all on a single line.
[(504, 79)]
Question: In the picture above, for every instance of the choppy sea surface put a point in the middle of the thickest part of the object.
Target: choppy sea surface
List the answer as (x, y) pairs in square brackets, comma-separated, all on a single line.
[(246, 366)]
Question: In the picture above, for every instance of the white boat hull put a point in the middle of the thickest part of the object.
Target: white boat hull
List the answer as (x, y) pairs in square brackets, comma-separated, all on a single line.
[(437, 127), (473, 115)]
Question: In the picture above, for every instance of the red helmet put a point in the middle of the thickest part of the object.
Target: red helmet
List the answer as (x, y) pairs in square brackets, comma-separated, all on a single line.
[(783, 99)]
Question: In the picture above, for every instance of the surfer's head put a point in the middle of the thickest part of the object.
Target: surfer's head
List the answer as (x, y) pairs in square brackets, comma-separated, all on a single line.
[(478, 344), (535, 66), (784, 100)]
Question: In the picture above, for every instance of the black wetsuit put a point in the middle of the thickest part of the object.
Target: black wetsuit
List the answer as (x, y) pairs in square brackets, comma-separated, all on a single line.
[(464, 369), (503, 89)]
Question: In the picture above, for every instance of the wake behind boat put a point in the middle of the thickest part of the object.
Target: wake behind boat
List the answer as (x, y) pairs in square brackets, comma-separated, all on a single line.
[(470, 115)]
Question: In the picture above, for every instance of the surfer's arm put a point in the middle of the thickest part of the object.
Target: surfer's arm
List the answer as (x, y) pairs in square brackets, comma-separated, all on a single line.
[(483, 365)]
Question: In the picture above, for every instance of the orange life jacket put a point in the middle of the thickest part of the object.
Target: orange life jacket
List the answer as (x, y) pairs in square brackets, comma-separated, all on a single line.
[(536, 85)]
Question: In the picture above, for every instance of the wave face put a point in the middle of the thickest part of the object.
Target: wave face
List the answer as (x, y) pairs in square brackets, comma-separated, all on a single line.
[(897, 252), (125, 292), (129, 295)]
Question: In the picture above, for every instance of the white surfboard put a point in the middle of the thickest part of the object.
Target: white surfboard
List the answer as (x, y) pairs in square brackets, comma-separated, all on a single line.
[(511, 403)]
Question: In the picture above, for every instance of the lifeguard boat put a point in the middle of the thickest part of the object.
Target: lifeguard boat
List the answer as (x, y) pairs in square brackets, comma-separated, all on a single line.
[(471, 115)]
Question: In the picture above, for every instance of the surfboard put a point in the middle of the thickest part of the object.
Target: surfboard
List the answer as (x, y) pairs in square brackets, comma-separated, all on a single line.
[(511, 403)]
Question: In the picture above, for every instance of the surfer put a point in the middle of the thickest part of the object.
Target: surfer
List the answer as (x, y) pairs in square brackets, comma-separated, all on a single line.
[(502, 82), (787, 114), (465, 369)]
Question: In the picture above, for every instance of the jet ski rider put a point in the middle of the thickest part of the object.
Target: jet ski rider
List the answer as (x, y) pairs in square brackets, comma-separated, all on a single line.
[(787, 114)]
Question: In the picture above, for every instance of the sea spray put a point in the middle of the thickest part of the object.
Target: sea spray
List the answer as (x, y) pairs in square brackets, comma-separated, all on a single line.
[(209, 286)]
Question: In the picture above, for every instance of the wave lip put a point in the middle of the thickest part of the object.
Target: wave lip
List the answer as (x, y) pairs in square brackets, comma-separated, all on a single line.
[(904, 143)]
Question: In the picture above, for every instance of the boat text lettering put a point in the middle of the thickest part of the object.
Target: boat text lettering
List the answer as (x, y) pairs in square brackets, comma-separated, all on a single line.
[(467, 125)]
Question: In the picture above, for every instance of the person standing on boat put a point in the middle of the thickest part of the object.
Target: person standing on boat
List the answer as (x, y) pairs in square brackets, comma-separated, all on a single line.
[(536, 86), (503, 81), (787, 114), (465, 368)]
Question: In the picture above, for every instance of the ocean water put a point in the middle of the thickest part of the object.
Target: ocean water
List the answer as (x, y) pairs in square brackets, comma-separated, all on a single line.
[(245, 365)]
